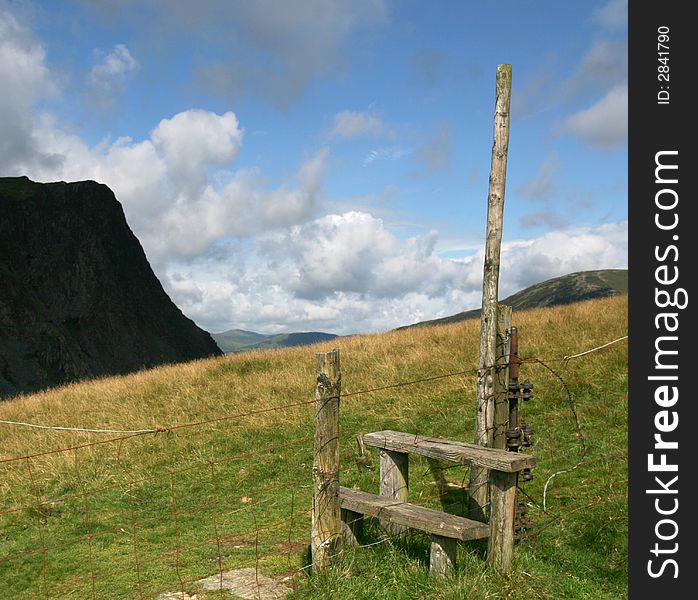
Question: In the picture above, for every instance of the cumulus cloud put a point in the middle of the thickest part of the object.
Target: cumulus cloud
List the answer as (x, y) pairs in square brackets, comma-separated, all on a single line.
[(565, 251), (173, 203), (194, 140), (25, 79), (107, 78), (604, 125), (351, 124), (356, 253), (349, 273)]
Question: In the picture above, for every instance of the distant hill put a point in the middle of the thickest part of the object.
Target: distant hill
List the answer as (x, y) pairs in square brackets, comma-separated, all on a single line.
[(566, 289), (78, 298), (239, 340)]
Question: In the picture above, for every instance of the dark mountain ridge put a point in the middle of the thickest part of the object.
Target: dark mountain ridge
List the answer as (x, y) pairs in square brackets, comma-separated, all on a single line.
[(573, 287), (78, 297)]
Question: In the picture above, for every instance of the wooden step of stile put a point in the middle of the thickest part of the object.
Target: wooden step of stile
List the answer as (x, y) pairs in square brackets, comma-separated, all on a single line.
[(429, 520), (450, 451)]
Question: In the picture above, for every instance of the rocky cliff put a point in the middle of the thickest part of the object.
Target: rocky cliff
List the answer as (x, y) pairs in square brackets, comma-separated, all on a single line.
[(78, 298)]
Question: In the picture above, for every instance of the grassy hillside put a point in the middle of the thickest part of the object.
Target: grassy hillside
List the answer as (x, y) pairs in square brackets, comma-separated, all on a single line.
[(225, 481), (567, 289)]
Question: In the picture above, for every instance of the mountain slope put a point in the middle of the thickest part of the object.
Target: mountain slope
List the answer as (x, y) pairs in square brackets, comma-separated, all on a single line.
[(239, 340), (574, 287), (78, 297), (236, 340)]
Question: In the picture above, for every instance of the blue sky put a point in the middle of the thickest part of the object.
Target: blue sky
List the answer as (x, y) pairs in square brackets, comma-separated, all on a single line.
[(323, 164)]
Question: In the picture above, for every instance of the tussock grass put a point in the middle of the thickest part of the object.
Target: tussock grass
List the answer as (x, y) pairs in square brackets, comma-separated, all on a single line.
[(155, 512)]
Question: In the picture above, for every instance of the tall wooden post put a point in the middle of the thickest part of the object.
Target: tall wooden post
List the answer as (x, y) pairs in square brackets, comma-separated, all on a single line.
[(326, 525), (484, 425)]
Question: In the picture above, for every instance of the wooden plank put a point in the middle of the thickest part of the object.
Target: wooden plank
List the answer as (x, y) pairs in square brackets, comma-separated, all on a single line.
[(394, 478), (417, 517), (451, 451), (500, 546), (442, 557), (484, 417), (326, 524)]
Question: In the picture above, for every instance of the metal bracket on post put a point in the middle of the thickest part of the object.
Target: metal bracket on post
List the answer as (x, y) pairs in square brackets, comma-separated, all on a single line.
[(518, 434)]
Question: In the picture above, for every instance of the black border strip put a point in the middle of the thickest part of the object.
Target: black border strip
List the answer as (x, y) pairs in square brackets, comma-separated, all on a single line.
[(660, 121)]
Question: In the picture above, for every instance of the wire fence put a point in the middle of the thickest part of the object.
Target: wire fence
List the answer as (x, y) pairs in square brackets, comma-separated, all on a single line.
[(202, 507)]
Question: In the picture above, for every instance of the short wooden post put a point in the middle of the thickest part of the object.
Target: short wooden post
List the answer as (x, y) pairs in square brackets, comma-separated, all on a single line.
[(484, 423), (352, 527), (326, 526), (443, 555), (501, 381), (394, 482), (500, 545)]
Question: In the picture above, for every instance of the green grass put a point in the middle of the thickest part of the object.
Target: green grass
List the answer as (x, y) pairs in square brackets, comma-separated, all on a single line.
[(151, 513)]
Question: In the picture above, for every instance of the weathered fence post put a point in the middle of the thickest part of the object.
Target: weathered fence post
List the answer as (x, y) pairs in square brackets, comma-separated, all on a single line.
[(479, 477), (501, 382), (326, 527)]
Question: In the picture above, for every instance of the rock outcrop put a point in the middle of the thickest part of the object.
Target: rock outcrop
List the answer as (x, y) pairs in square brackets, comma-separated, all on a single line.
[(78, 298)]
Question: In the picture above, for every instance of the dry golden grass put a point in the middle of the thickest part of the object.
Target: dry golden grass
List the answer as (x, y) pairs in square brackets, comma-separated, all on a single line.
[(173, 395)]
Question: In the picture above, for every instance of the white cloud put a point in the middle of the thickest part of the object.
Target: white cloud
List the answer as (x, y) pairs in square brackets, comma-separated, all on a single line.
[(351, 124), (25, 79), (107, 78), (356, 253), (172, 201), (194, 140), (604, 125), (349, 273), (385, 153), (560, 252), (114, 65)]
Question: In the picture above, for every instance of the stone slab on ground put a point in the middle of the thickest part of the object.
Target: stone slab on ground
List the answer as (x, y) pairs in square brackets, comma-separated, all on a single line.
[(248, 584)]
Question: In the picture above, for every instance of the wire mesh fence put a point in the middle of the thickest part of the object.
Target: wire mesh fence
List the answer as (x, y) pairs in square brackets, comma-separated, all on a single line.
[(156, 511)]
